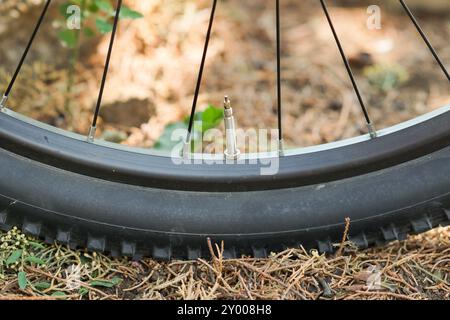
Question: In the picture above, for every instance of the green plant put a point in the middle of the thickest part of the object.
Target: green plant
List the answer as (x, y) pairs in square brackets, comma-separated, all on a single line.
[(95, 17), (24, 260), (204, 121), (386, 77), (17, 251)]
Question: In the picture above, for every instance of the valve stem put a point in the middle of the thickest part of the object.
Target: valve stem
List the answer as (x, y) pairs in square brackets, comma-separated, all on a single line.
[(3, 103), (231, 152)]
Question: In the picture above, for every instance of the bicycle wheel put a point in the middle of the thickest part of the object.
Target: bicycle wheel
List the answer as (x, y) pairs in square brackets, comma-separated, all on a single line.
[(135, 202)]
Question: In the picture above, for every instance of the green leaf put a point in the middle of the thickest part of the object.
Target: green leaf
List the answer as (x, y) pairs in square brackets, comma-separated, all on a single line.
[(92, 8), (211, 118), (68, 38), (58, 294), (106, 283), (83, 291), (42, 285), (204, 121), (35, 260), (63, 8), (197, 117), (127, 13), (36, 245), (103, 26), (88, 32), (165, 142), (22, 280), (14, 257), (104, 5)]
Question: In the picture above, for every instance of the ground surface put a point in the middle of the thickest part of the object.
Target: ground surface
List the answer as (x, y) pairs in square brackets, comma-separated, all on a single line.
[(414, 269)]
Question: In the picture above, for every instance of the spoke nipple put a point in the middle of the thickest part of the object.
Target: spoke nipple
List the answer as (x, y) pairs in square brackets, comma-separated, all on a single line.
[(3, 103), (91, 135), (185, 153), (372, 132), (232, 152), (281, 147)]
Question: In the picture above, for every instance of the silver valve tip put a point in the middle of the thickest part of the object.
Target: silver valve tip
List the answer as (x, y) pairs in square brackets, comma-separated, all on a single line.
[(227, 103)]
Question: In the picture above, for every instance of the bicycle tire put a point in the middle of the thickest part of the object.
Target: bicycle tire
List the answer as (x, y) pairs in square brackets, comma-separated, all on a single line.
[(62, 188)]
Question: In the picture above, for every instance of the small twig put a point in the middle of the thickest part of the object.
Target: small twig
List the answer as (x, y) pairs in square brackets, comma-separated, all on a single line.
[(211, 250), (344, 237), (245, 286), (268, 276)]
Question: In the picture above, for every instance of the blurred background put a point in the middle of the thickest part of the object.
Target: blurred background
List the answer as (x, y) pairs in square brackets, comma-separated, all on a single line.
[(157, 54)]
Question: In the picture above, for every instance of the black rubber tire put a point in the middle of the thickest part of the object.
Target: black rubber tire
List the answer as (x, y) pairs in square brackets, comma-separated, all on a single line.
[(122, 203)]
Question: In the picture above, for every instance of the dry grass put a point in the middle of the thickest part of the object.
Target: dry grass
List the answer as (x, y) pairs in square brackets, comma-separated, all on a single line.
[(417, 268)]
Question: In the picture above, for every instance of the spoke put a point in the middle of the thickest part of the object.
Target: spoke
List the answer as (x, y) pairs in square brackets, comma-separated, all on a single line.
[(25, 54), (425, 38), (200, 76), (370, 126), (91, 135), (279, 96)]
